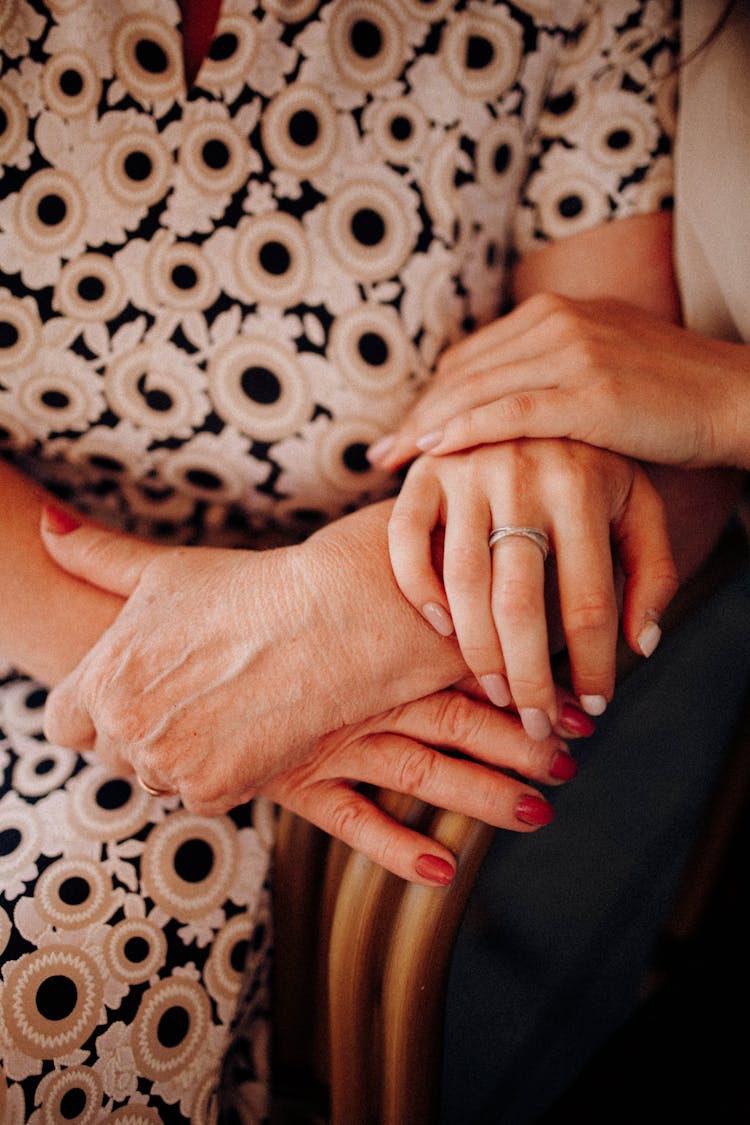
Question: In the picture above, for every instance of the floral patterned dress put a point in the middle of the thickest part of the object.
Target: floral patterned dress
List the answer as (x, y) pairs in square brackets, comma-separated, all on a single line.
[(211, 302)]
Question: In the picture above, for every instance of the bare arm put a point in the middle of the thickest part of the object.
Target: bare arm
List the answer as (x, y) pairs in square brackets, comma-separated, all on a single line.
[(50, 619)]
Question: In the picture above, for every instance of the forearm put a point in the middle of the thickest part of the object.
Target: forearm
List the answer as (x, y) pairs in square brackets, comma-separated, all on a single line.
[(49, 619)]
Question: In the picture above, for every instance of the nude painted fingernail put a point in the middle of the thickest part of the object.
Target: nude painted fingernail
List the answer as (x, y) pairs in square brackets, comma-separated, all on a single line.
[(649, 637), (563, 767), (428, 441), (536, 723), (59, 520), (380, 449), (439, 618), (593, 704), (534, 810), (435, 869), (496, 687)]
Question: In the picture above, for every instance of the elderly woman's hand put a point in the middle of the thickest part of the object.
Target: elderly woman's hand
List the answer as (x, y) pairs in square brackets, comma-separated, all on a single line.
[(600, 371), (224, 667), (586, 501), (399, 751)]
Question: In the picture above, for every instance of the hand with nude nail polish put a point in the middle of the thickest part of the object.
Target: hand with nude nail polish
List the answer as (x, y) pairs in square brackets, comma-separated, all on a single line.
[(496, 596)]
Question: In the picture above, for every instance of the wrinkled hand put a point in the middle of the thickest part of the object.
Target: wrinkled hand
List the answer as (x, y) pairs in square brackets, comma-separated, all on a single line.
[(399, 751), (598, 371), (225, 667), (586, 500)]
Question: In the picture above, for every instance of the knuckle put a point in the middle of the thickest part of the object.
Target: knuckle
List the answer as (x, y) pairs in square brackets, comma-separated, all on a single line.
[(595, 613), (529, 687), (457, 717), (348, 820), (416, 770)]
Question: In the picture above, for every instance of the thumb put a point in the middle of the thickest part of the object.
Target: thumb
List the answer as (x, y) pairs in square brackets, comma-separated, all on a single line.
[(107, 559)]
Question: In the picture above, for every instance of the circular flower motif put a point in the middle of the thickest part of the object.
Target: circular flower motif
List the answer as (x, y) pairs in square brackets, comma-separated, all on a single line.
[(366, 42), (72, 1095), (398, 127), (300, 129), (52, 1000), (90, 289), (568, 197), (622, 135), (50, 212), (259, 386), (482, 53), (158, 387), (70, 84), (225, 968), (64, 394), (371, 226), (272, 259), (135, 950), (137, 168), (342, 455), (188, 864), (170, 1028), (147, 57), (74, 893), (214, 155), (231, 53), (370, 349), (104, 807), (179, 276), (42, 768)]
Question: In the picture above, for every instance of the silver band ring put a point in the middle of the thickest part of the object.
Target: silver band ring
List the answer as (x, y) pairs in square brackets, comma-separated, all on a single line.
[(152, 790), (535, 534)]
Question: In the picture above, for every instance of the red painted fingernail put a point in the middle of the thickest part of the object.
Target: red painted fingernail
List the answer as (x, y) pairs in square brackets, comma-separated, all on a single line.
[(563, 766), (59, 520), (534, 810), (436, 869), (576, 721)]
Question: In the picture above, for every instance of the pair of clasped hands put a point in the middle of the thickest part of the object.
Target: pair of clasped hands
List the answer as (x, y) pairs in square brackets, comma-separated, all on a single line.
[(300, 672)]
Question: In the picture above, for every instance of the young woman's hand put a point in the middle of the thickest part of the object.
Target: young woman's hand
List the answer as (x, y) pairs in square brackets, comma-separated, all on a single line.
[(585, 500), (599, 371)]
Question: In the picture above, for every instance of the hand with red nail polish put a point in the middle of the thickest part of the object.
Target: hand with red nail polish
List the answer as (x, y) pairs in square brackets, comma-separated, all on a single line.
[(403, 744)]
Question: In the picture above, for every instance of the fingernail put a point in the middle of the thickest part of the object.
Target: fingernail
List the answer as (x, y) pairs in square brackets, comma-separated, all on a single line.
[(439, 618), (593, 704), (496, 687), (436, 869), (576, 721), (563, 767), (59, 520), (649, 637), (534, 810), (429, 441), (378, 450), (536, 723)]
